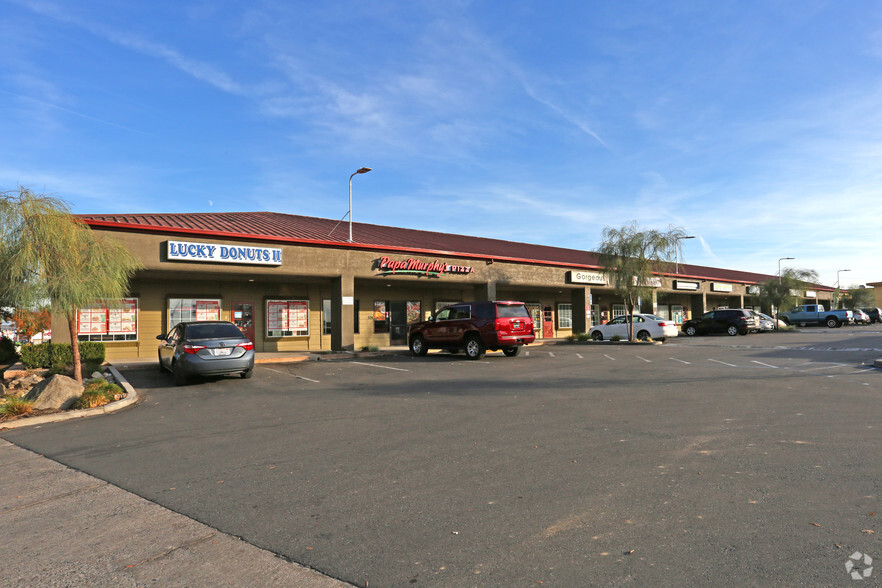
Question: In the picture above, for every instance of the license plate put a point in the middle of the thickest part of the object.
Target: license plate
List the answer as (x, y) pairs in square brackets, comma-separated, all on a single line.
[(516, 324), (222, 351)]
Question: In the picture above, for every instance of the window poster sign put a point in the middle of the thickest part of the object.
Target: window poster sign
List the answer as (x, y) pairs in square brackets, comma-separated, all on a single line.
[(413, 311), (103, 322), (379, 310), (721, 287), (286, 318), (207, 310)]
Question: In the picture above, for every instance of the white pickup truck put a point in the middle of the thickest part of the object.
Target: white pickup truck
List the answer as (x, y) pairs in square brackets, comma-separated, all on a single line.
[(815, 314)]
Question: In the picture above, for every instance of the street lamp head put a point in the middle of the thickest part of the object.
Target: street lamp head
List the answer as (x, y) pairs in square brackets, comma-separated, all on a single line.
[(689, 237), (363, 170)]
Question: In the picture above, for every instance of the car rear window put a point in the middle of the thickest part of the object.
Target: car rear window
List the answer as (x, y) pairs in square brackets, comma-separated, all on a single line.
[(511, 310), (214, 331)]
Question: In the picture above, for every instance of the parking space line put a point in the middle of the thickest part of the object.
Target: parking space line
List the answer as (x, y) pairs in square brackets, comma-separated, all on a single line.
[(723, 362), (608, 357), (681, 361), (385, 367), (550, 354), (579, 355), (824, 367), (765, 364), (289, 374), (644, 359)]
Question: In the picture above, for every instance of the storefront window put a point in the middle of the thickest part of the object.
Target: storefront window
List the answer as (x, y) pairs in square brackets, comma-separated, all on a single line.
[(619, 310), (564, 316), (102, 322), (193, 309), (287, 318), (381, 316), (595, 314), (326, 317)]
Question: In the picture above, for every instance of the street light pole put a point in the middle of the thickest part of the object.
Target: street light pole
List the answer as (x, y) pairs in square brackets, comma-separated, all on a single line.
[(361, 170), (838, 286), (779, 267), (677, 267)]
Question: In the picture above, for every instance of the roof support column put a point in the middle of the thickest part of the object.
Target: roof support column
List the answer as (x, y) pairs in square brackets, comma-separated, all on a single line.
[(342, 313), (581, 300), (486, 291)]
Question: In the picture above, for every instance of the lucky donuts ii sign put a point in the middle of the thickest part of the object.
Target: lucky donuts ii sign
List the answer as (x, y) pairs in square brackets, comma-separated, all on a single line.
[(217, 253), (413, 266)]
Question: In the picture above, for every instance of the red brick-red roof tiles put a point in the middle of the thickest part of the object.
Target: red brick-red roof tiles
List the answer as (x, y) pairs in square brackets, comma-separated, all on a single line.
[(289, 228)]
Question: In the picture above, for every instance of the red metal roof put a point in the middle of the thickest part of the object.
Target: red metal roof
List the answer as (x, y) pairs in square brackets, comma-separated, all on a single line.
[(289, 228)]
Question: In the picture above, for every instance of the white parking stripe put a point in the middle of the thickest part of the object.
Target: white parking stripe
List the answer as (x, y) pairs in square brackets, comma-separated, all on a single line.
[(681, 361), (287, 374), (723, 362), (579, 355), (824, 367), (550, 354), (765, 364), (608, 357), (644, 359), (385, 367)]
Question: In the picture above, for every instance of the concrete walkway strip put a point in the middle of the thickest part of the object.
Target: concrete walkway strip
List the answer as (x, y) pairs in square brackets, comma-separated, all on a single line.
[(62, 527)]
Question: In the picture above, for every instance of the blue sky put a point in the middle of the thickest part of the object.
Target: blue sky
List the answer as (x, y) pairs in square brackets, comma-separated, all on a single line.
[(756, 126)]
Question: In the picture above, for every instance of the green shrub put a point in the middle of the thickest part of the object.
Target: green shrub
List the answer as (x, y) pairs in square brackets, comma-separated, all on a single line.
[(615, 338), (98, 392), (7, 349), (583, 337), (60, 355), (370, 348)]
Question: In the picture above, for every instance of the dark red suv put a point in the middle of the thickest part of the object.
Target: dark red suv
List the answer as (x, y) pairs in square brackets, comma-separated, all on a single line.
[(475, 327)]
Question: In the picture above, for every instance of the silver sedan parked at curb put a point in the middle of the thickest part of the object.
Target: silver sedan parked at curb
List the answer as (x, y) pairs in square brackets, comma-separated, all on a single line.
[(646, 326), (205, 348)]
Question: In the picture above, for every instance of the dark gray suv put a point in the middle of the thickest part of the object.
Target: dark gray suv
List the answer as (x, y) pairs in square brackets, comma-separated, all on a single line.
[(732, 321)]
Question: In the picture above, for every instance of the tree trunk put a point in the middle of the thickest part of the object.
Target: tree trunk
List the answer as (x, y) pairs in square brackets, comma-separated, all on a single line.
[(75, 346)]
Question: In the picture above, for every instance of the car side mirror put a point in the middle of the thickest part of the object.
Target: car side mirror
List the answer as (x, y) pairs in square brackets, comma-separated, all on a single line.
[(160, 337)]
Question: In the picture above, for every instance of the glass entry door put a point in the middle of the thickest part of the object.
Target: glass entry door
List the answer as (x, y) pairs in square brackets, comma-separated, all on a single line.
[(243, 317), (397, 322)]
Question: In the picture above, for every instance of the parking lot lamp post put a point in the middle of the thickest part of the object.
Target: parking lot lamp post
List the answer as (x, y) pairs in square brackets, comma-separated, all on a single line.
[(779, 267), (677, 267), (838, 287), (361, 170)]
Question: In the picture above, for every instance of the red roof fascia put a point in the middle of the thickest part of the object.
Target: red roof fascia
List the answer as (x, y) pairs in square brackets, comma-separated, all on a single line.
[(321, 243)]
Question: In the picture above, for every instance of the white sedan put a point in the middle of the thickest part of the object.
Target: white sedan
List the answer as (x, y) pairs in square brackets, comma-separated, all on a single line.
[(646, 326)]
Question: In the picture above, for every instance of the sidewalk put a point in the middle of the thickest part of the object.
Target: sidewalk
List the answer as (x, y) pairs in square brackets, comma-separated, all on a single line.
[(62, 527)]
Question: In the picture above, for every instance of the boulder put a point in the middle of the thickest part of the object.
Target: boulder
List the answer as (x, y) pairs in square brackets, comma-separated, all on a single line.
[(55, 392)]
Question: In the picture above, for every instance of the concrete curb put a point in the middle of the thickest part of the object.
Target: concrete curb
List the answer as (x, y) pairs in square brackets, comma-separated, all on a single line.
[(130, 399), (878, 363)]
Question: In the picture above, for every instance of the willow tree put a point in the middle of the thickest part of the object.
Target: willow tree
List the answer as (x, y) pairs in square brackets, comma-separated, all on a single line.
[(632, 258), (46, 254), (784, 291)]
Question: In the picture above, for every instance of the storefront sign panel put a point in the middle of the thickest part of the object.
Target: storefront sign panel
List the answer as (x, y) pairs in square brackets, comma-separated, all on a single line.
[(721, 287), (413, 266), (685, 285), (217, 253), (595, 278)]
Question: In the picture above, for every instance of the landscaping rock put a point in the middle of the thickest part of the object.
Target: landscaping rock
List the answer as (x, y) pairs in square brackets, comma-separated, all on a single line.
[(56, 392)]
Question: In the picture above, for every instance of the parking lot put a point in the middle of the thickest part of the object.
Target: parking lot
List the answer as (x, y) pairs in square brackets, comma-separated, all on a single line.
[(743, 460)]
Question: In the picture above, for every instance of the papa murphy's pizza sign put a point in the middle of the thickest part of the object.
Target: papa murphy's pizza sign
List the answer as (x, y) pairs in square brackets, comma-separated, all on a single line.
[(386, 266)]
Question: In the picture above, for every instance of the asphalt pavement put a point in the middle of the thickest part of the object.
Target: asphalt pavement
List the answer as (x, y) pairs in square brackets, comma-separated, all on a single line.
[(744, 461)]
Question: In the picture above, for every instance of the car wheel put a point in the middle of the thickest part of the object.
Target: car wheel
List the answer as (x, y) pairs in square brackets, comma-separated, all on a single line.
[(833, 322), (247, 374), (690, 331), (511, 351), (732, 330), (418, 345), (474, 348), (597, 336), (643, 336), (180, 375)]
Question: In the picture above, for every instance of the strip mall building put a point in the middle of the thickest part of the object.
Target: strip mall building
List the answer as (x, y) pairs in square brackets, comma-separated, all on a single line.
[(297, 283)]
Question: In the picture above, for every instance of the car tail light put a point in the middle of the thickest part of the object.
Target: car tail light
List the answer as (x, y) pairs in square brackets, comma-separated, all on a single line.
[(247, 346), (662, 324), (190, 348)]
